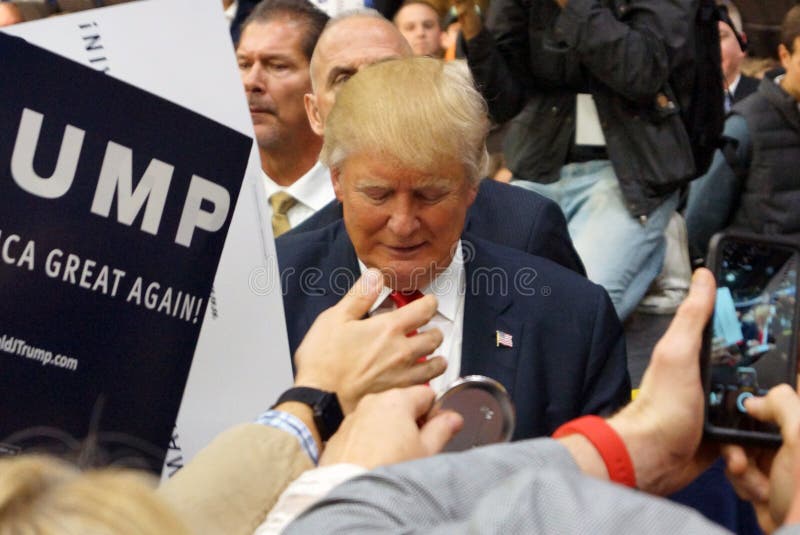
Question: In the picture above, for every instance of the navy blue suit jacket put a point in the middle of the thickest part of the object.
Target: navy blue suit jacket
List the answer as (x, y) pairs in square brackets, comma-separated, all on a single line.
[(568, 356), (508, 215)]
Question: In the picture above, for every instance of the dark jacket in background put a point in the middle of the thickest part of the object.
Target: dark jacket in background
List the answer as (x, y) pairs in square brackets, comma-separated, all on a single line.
[(770, 184), (533, 58), (747, 86)]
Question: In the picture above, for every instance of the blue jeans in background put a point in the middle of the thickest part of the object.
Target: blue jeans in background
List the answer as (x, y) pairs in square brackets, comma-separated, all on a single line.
[(620, 252)]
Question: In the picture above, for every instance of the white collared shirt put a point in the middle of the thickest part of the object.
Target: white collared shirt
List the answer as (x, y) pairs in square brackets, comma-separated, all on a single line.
[(449, 288), (313, 190), (230, 11)]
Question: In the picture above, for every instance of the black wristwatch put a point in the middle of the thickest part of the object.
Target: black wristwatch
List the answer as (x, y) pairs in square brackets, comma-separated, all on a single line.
[(327, 411)]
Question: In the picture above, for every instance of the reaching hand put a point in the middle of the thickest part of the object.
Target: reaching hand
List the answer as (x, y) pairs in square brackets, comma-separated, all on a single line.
[(662, 428), (351, 356), (468, 17), (9, 14), (764, 476), (384, 430)]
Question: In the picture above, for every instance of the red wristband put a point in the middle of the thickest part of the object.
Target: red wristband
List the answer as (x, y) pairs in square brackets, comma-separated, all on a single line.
[(607, 443)]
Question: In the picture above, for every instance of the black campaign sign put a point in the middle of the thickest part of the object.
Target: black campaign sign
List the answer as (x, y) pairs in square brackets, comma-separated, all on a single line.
[(114, 207)]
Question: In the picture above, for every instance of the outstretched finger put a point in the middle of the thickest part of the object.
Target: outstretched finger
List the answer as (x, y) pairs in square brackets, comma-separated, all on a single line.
[(423, 371), (423, 344), (415, 314)]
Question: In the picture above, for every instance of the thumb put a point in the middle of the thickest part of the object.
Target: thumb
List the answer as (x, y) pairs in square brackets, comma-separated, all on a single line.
[(438, 431), (362, 295)]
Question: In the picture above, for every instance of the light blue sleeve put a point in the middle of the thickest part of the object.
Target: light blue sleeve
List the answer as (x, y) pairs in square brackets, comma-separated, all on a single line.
[(714, 196)]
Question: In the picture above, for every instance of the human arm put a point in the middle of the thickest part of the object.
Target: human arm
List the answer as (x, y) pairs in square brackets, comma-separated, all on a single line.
[(351, 356), (628, 51), (499, 59), (230, 485), (714, 196), (354, 448), (542, 477)]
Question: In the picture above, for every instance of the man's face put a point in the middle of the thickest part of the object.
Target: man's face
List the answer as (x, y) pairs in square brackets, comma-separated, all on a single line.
[(791, 62), (344, 50), (274, 72), (403, 221), (731, 52), (419, 24)]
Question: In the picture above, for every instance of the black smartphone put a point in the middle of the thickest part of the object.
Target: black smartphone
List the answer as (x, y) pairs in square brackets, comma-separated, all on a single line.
[(750, 345)]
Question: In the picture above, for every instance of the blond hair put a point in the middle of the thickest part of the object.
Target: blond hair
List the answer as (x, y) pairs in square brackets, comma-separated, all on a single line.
[(418, 112), (42, 495)]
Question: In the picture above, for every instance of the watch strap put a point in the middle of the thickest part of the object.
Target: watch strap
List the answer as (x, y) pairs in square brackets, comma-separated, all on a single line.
[(325, 406)]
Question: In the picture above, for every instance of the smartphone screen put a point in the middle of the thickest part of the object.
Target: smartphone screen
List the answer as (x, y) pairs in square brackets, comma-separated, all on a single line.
[(753, 342)]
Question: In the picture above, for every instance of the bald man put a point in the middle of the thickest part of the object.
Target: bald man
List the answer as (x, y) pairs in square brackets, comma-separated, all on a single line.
[(347, 45)]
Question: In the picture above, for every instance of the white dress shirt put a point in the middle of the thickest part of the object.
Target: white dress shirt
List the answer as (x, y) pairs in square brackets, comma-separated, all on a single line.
[(313, 190), (448, 287)]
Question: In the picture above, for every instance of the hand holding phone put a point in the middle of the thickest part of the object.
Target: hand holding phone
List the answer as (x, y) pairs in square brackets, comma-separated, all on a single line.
[(751, 344)]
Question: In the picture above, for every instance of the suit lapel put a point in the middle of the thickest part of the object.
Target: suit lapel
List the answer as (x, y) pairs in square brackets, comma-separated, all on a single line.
[(338, 272), (486, 312)]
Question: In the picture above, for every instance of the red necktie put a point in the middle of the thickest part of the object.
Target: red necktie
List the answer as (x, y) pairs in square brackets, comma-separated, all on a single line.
[(401, 300)]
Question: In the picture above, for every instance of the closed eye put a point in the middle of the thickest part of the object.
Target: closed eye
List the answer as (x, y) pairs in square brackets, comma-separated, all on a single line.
[(432, 194), (376, 194)]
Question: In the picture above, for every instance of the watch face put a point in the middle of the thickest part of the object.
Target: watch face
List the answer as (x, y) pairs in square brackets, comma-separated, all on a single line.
[(328, 415)]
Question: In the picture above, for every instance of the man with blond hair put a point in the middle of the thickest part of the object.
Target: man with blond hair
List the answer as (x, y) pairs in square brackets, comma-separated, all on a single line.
[(523, 220), (405, 143)]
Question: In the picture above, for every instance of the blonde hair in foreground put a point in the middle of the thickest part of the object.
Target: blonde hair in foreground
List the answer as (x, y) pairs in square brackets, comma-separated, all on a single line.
[(45, 496), (418, 112)]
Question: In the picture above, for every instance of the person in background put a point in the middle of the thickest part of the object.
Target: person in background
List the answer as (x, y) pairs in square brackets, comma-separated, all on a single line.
[(594, 124), (421, 25), (733, 52), (502, 214), (273, 54), (405, 201), (752, 183)]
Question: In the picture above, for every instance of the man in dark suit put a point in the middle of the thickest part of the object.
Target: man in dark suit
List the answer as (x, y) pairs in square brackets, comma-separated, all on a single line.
[(733, 50), (548, 335), (501, 213)]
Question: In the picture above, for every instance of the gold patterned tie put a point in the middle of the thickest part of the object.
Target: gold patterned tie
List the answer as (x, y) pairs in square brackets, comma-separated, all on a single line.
[(281, 202)]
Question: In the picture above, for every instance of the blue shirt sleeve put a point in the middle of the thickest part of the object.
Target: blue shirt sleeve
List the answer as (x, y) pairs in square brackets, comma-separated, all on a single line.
[(713, 197), (292, 425)]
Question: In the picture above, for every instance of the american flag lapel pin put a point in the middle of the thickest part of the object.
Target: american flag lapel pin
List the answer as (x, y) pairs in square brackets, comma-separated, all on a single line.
[(504, 339)]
